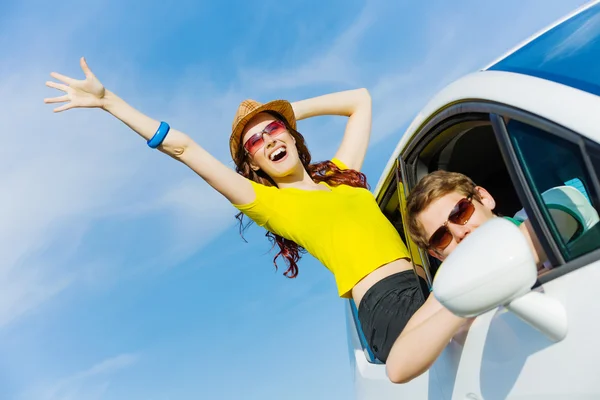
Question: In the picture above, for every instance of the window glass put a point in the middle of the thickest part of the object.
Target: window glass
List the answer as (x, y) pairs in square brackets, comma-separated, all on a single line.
[(593, 150), (566, 54), (562, 186), (415, 254), (577, 184)]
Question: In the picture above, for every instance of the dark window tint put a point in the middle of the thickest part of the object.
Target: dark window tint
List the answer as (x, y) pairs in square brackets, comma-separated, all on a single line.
[(562, 186)]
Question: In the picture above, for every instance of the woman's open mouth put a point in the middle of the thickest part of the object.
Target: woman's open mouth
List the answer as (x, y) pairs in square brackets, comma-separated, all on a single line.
[(278, 155)]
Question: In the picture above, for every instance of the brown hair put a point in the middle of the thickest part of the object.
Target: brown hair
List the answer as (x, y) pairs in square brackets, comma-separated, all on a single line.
[(430, 188), (325, 171)]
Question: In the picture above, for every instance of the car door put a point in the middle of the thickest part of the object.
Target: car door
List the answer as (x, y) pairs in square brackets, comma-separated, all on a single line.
[(502, 356)]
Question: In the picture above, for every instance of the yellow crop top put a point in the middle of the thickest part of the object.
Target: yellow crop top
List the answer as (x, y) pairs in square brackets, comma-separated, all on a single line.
[(343, 228)]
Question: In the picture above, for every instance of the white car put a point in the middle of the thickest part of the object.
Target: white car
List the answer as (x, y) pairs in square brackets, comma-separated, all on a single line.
[(527, 123)]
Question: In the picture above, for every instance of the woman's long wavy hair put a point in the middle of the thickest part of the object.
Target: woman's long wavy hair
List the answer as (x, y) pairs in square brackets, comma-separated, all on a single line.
[(325, 171)]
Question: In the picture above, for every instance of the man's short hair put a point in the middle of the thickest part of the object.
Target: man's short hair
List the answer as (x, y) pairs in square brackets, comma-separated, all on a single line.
[(430, 188)]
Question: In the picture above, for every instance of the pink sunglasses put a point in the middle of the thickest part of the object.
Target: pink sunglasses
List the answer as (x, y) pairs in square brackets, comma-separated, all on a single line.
[(256, 141)]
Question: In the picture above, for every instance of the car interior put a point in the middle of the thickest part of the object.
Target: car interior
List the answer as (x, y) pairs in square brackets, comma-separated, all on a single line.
[(469, 148), (468, 145), (472, 150)]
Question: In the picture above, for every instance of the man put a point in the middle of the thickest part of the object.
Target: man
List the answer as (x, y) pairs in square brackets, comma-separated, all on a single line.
[(442, 210)]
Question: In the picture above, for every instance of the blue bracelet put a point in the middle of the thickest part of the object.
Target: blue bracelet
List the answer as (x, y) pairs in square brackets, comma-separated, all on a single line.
[(160, 135)]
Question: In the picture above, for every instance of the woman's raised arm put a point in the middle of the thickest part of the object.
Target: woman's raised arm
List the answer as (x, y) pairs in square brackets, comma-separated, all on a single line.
[(90, 93), (355, 104)]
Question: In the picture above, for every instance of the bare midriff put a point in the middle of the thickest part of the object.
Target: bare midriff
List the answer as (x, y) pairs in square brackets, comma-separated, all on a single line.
[(359, 290)]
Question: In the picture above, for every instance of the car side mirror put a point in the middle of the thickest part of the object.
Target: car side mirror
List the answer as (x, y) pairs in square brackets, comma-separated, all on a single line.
[(494, 266)]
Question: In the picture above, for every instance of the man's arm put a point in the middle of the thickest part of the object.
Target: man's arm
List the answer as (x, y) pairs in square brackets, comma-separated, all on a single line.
[(421, 342)]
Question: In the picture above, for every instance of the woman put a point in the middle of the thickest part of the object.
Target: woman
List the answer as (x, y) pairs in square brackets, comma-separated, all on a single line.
[(324, 208)]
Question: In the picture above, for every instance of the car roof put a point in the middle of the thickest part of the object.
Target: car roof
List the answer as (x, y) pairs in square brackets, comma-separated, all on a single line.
[(528, 93)]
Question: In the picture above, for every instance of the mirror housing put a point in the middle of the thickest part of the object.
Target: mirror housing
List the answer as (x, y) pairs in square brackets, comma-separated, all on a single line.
[(494, 266)]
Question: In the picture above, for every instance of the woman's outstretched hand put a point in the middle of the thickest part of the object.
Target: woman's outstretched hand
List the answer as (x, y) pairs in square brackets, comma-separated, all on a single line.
[(87, 93)]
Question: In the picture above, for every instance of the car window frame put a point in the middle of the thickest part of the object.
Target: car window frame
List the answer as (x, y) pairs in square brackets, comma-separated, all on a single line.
[(543, 230), (453, 114), (437, 123), (413, 250)]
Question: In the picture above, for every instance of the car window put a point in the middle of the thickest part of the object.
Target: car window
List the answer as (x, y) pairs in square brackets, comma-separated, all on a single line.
[(418, 257), (562, 186), (593, 150), (566, 54)]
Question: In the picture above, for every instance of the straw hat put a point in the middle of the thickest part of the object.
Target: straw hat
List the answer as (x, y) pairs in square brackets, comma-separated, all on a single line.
[(248, 109)]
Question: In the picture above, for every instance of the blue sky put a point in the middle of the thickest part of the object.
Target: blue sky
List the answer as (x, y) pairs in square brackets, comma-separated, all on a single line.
[(122, 274)]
